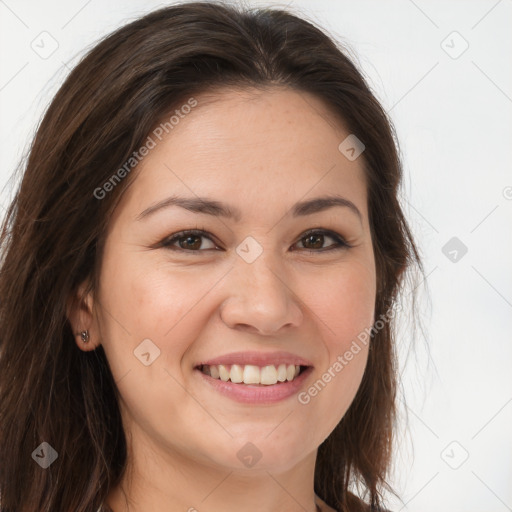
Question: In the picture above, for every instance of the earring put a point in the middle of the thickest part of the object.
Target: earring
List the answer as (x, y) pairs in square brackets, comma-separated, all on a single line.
[(85, 336)]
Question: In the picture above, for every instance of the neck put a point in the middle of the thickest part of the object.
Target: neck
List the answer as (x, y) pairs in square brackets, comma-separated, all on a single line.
[(161, 480)]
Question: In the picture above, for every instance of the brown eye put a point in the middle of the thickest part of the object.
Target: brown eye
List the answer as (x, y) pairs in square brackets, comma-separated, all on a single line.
[(190, 242), (187, 241), (313, 241), (316, 241)]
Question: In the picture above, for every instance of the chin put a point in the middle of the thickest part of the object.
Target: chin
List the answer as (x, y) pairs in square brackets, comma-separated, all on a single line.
[(253, 453)]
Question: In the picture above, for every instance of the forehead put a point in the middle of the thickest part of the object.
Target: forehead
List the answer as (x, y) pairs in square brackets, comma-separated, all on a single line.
[(273, 146)]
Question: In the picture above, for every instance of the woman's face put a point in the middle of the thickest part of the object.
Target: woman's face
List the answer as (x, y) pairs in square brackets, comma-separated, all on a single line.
[(254, 284)]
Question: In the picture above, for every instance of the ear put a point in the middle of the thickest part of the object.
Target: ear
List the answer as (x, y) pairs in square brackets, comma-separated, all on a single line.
[(80, 313)]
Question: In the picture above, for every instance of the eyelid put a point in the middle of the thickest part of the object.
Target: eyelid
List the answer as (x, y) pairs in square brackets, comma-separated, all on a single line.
[(340, 241), (167, 242)]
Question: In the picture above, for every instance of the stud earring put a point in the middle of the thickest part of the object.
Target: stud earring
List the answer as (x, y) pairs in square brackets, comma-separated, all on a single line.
[(84, 335)]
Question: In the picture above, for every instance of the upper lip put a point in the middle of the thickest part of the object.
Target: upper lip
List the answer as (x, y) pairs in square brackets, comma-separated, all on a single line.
[(257, 359)]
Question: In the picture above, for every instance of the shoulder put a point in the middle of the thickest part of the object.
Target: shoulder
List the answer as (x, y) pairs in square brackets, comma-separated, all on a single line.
[(362, 505), (324, 506)]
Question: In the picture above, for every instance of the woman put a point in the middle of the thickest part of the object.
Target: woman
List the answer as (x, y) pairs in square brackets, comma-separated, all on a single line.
[(199, 275)]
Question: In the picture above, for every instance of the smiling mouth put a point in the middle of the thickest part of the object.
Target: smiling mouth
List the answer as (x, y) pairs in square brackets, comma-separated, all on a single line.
[(251, 374)]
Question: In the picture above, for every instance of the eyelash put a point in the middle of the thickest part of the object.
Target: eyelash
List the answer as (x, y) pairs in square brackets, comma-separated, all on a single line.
[(340, 242)]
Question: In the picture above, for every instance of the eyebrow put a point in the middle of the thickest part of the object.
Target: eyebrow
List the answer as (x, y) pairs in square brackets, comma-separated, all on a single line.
[(215, 208)]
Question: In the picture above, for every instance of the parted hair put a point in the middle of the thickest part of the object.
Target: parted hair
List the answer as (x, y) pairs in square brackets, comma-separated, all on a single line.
[(53, 234)]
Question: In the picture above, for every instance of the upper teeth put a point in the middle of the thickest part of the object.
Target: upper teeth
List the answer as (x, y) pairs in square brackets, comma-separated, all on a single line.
[(250, 374)]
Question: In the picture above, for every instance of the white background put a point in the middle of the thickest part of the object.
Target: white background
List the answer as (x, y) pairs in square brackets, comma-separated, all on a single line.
[(453, 120)]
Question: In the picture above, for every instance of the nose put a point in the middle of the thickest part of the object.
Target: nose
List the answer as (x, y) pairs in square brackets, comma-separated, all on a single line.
[(261, 298)]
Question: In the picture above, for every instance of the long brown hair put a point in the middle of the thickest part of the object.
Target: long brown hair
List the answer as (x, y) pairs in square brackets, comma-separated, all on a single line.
[(53, 233)]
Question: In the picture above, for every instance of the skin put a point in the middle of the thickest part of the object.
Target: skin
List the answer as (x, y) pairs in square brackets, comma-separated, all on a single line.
[(261, 152)]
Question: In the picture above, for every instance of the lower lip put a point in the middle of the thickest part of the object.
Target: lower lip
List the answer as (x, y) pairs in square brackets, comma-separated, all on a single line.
[(252, 394)]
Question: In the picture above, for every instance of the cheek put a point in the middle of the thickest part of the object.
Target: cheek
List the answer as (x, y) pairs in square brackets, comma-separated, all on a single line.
[(142, 300), (345, 304)]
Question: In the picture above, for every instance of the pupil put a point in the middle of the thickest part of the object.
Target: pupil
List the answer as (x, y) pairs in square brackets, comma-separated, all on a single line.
[(308, 239), (313, 237), (191, 237)]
